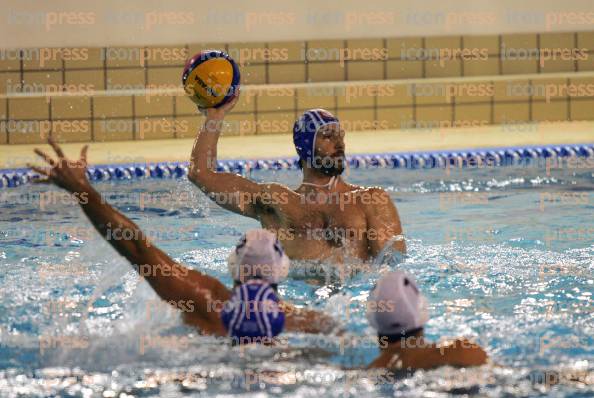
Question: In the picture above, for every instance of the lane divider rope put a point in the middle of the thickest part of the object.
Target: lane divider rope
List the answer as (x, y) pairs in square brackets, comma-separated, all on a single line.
[(487, 157)]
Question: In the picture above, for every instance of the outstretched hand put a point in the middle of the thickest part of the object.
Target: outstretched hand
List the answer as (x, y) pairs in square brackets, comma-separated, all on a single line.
[(67, 174)]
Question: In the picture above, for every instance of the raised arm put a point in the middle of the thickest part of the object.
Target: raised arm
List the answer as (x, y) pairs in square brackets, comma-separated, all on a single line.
[(231, 191), (171, 281)]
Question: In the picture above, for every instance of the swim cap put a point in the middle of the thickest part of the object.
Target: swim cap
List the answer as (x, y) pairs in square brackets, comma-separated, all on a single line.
[(258, 255), (253, 313), (399, 306), (306, 128)]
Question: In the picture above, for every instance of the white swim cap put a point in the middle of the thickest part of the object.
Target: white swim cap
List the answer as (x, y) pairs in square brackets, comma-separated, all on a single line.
[(395, 305), (258, 255)]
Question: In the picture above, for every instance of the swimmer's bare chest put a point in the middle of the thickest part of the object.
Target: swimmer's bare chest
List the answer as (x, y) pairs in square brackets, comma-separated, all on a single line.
[(321, 230)]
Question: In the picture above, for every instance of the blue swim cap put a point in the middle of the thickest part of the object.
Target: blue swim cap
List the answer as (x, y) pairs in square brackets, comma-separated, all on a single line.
[(253, 314), (305, 129)]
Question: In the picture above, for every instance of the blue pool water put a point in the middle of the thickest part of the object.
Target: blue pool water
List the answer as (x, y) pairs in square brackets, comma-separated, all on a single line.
[(509, 264)]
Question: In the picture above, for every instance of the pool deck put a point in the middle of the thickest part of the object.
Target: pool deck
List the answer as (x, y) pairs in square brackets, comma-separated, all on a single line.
[(281, 145)]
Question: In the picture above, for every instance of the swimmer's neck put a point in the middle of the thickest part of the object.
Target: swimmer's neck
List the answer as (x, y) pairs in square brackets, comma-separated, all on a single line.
[(314, 178), (414, 341)]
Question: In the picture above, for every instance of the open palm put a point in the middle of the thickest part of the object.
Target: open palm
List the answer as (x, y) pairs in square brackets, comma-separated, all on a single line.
[(65, 173)]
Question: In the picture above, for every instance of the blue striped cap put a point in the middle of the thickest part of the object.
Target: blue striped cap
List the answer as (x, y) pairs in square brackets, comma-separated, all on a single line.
[(305, 129), (253, 313)]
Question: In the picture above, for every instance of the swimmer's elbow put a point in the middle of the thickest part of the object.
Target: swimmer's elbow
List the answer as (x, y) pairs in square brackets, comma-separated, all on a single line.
[(195, 174), (200, 177), (193, 177)]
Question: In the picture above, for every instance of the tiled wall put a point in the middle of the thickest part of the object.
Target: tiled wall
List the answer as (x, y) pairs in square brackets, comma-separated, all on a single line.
[(420, 104), (87, 115), (284, 62)]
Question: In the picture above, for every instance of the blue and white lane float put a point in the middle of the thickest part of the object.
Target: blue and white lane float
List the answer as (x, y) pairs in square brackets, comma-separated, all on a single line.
[(474, 158)]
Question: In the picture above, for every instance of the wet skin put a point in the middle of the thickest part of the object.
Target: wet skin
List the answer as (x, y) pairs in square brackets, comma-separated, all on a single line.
[(173, 282), (321, 221)]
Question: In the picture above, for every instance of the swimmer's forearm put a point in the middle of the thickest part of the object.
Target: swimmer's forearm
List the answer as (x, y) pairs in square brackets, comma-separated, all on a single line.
[(114, 226), (204, 153), (170, 280), (236, 193)]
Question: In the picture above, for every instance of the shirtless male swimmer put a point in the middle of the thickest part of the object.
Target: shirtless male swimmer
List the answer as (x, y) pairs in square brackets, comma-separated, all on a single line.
[(397, 327), (325, 218)]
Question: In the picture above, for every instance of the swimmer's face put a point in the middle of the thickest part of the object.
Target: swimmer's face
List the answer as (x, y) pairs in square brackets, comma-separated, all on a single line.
[(329, 152)]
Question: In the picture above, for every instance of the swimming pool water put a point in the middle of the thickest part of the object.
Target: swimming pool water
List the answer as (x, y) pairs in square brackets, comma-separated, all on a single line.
[(505, 256)]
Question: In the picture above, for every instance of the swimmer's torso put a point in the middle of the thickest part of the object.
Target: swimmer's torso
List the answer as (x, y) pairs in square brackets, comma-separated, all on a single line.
[(323, 225)]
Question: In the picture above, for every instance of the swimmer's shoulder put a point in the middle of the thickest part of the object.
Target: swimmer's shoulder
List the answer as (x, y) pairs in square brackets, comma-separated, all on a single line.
[(462, 352), (425, 357), (382, 361), (361, 190), (457, 353), (403, 359), (277, 187), (370, 197)]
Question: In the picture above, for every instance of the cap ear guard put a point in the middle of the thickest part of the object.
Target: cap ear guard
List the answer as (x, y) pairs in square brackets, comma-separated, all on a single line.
[(423, 310), (282, 271), (233, 266), (371, 315)]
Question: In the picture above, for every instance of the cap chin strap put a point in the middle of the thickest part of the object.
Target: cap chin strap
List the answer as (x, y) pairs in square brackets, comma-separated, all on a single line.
[(333, 181), (394, 338)]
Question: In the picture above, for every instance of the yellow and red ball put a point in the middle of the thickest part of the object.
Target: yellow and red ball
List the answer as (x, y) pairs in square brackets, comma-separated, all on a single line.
[(211, 78)]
